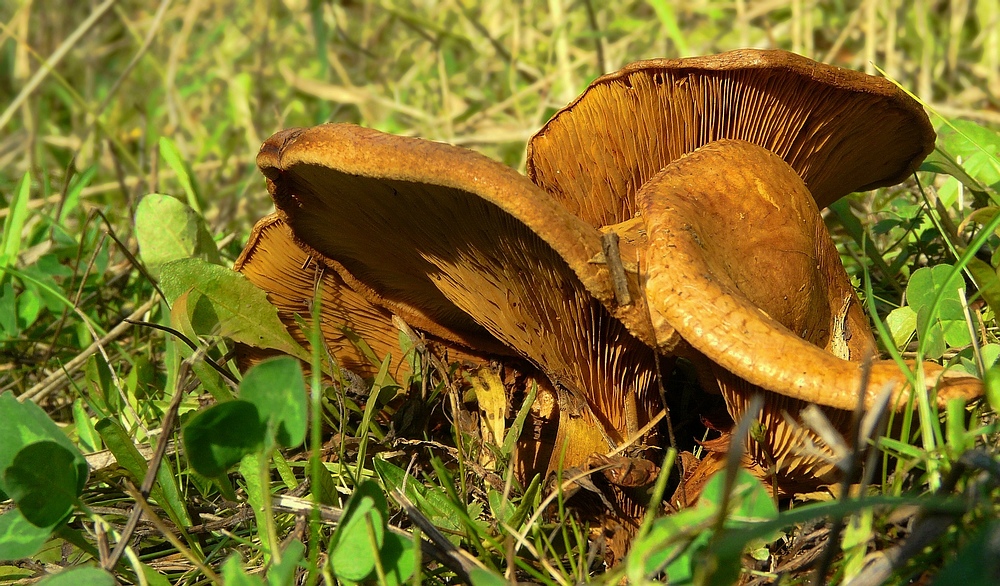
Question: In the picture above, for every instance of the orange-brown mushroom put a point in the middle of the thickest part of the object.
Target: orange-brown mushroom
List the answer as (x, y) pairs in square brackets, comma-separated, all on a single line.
[(741, 265), (447, 236), (840, 130), (837, 130)]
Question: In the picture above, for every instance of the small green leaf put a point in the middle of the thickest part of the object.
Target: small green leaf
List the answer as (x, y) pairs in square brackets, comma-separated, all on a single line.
[(233, 573), (987, 281), (89, 440), (398, 559), (484, 577), (219, 437), (76, 187), (992, 385), (977, 146), (10, 240), (80, 576), (19, 538), (942, 325), (42, 480), (154, 578), (8, 310), (902, 323), (227, 304), (284, 573), (364, 521), (168, 230), (278, 389)]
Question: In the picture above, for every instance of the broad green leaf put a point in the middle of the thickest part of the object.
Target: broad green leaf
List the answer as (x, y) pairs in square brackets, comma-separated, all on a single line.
[(943, 162), (682, 538), (749, 499), (167, 229), (103, 395), (677, 539), (277, 387), (219, 437), (19, 538), (434, 504), (80, 576), (42, 480), (26, 423), (29, 306), (256, 491), (977, 146), (223, 302), (363, 524), (153, 577)]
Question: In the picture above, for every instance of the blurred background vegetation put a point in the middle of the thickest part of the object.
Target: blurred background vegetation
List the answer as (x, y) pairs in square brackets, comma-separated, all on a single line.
[(88, 89)]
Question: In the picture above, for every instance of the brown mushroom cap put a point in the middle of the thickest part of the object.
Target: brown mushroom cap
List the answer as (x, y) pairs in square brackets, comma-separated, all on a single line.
[(288, 274), (722, 272), (441, 232), (840, 130)]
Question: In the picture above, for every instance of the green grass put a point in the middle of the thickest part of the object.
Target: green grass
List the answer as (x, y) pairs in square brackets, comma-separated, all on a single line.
[(102, 103)]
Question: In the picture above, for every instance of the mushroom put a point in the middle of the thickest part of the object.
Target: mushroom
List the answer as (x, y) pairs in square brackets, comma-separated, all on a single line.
[(741, 265), (444, 235), (840, 130), (291, 278)]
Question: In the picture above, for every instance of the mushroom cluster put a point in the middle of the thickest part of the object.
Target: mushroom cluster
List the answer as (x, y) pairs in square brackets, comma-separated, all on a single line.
[(671, 210)]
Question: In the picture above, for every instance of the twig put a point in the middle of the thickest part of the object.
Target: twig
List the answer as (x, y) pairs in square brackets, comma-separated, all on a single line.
[(190, 344), (613, 259), (142, 506), (166, 426)]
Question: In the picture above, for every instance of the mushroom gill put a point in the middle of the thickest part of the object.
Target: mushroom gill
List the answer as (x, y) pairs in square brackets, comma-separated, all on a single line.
[(438, 231), (291, 277), (840, 130), (740, 264)]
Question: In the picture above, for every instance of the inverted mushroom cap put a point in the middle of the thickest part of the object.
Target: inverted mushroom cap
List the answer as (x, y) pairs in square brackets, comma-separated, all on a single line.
[(731, 270), (289, 275), (742, 267), (840, 130), (441, 232)]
